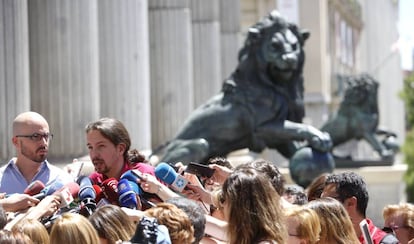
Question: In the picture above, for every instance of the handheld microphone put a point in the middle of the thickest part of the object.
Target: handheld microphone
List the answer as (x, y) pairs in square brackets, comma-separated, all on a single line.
[(87, 196), (98, 192), (34, 188), (166, 173), (110, 190), (67, 193), (131, 175), (128, 191), (48, 190)]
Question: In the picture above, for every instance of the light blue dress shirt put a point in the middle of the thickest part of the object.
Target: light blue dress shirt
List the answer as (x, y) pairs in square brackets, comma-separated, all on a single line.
[(12, 180)]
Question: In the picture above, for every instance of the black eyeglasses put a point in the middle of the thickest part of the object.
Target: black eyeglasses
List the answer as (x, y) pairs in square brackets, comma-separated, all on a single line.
[(37, 136)]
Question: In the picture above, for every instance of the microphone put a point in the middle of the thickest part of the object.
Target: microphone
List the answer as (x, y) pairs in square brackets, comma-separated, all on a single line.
[(131, 175), (128, 191), (34, 188), (166, 173), (67, 193), (87, 196), (48, 190), (110, 190), (98, 192)]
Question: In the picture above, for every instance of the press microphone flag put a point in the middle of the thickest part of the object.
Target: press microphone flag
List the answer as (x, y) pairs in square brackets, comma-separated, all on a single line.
[(166, 173)]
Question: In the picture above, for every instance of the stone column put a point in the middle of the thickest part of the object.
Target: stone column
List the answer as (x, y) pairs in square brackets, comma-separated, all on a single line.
[(230, 30), (124, 66), (14, 69), (64, 69), (206, 49), (171, 67)]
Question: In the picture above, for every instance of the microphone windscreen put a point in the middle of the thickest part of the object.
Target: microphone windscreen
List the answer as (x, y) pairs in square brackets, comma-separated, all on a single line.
[(110, 190), (99, 193), (129, 175), (67, 193), (34, 188), (127, 193), (165, 172), (49, 190), (86, 189)]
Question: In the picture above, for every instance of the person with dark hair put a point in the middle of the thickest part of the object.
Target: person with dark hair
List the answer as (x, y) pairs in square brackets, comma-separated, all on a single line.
[(271, 171), (3, 218), (112, 224), (350, 189), (315, 189), (252, 209), (108, 142), (195, 213), (295, 195)]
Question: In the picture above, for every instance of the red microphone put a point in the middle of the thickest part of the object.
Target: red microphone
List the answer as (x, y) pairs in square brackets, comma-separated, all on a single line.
[(110, 190), (34, 188), (99, 193), (67, 193)]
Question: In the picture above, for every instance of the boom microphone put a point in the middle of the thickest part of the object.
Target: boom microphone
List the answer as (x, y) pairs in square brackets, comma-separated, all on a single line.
[(34, 188), (166, 173), (110, 190)]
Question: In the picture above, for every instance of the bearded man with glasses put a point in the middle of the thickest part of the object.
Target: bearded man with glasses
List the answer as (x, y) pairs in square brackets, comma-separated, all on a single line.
[(31, 138)]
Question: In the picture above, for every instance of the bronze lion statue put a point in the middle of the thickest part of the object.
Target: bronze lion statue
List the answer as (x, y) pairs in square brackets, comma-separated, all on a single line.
[(260, 105), (358, 117)]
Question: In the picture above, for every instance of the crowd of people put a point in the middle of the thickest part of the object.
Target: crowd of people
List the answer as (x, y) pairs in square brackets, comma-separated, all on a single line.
[(128, 200)]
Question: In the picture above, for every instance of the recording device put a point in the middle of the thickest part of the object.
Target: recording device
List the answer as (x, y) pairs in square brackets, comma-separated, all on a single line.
[(146, 231), (365, 232), (110, 190), (34, 188), (200, 170), (167, 174), (49, 190), (128, 191), (87, 196)]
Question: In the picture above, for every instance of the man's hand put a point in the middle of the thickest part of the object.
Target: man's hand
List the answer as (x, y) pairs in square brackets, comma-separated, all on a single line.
[(220, 174), (17, 202)]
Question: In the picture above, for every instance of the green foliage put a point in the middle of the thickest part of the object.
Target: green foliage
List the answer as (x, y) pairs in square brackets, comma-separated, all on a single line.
[(408, 149)]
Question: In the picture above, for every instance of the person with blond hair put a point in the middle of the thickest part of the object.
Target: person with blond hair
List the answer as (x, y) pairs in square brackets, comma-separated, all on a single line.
[(399, 220), (176, 220), (350, 189), (303, 225), (73, 228), (336, 225), (35, 230)]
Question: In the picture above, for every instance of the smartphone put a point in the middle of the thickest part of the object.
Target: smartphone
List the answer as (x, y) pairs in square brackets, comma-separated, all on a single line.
[(365, 232), (201, 170)]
